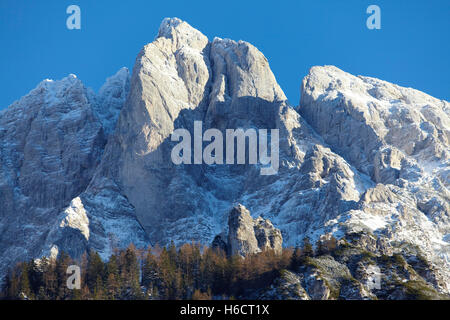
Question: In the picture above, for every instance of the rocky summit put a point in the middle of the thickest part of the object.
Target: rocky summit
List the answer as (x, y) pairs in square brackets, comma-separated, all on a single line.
[(361, 160), (247, 236)]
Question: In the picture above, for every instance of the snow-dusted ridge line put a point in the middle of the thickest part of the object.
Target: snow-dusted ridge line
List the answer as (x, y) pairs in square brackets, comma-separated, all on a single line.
[(51, 141)]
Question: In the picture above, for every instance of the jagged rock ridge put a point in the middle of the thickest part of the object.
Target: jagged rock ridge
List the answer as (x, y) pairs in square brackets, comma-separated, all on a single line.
[(51, 143)]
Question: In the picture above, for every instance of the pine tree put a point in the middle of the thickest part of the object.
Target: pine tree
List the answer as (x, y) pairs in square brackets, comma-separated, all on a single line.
[(132, 272), (62, 263), (112, 287), (307, 250), (167, 270), (36, 277), (12, 284), (95, 270), (150, 270), (172, 252), (296, 259), (50, 278), (98, 289), (24, 283)]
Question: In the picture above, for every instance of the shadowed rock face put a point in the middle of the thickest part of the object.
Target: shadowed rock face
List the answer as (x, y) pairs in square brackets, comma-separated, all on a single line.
[(179, 78), (182, 77), (359, 155)]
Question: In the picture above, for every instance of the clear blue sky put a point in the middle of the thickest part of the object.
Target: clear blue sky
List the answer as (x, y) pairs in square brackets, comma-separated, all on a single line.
[(411, 49)]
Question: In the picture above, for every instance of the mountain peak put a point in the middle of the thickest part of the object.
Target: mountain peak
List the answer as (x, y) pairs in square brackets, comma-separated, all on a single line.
[(52, 84), (168, 24), (182, 34)]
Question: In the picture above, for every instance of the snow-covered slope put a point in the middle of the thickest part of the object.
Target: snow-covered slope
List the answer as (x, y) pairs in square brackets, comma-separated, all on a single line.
[(51, 142), (400, 138)]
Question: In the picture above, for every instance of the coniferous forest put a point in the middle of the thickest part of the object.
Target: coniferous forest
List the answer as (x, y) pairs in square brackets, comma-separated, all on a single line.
[(196, 272), (189, 272)]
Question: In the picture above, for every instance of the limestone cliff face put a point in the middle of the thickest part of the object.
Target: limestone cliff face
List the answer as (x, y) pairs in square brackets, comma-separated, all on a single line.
[(400, 138), (182, 77), (249, 236), (241, 232), (51, 142), (50, 146), (385, 130)]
